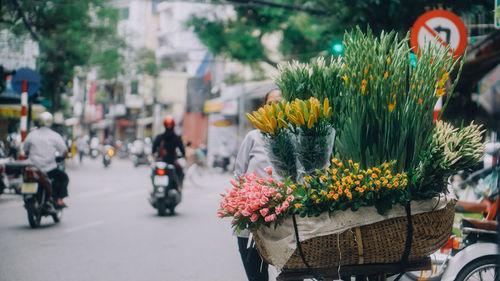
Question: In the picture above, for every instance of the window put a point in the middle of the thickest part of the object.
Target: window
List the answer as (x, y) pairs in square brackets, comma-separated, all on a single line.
[(124, 13)]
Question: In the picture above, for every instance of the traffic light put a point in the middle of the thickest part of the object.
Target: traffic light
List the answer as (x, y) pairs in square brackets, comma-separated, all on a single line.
[(338, 48)]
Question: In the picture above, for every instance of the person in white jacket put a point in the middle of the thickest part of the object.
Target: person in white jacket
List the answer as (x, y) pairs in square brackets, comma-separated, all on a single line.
[(42, 146), (252, 157)]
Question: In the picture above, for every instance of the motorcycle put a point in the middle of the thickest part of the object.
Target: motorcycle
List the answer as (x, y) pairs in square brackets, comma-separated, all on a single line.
[(167, 188), (11, 175), (107, 154), (36, 190), (141, 153), (474, 256)]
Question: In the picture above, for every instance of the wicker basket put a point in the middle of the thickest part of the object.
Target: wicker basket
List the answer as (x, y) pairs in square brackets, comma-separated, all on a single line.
[(381, 242)]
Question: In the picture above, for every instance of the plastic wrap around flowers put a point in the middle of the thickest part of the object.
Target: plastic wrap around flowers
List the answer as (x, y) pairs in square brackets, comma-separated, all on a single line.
[(254, 201)]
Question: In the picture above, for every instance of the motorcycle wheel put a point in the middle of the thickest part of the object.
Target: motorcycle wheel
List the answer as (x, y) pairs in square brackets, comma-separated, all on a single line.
[(34, 214), (481, 269), (160, 206)]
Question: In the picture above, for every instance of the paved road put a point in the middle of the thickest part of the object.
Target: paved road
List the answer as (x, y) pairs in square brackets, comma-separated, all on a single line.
[(110, 232)]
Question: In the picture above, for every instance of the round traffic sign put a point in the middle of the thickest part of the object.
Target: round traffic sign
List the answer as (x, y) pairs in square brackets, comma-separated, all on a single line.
[(29, 75), (447, 27)]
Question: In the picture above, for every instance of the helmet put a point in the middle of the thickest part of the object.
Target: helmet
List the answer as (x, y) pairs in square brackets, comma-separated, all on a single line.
[(169, 122), (46, 119)]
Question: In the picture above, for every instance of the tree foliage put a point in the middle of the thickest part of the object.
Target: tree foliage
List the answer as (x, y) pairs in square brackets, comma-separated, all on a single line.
[(69, 34), (308, 27)]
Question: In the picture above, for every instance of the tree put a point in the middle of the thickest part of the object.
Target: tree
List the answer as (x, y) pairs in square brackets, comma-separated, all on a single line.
[(309, 28), (68, 33)]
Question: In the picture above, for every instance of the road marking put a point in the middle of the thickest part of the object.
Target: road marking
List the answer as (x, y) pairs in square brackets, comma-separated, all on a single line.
[(82, 227)]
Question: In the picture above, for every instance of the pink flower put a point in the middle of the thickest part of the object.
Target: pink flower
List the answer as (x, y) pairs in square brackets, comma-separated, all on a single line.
[(284, 205), (261, 181), (254, 218), (290, 198), (289, 190), (264, 212), (277, 210), (270, 218), (269, 170), (270, 180), (255, 173), (278, 196), (264, 201), (245, 213), (235, 183), (281, 185)]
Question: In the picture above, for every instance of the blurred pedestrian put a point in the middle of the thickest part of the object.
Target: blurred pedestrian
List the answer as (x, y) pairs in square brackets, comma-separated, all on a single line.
[(252, 157), (81, 146)]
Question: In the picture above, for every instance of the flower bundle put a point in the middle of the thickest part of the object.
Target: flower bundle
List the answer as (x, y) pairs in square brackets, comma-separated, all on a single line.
[(451, 150), (312, 117), (272, 121), (269, 119), (388, 100), (346, 186), (254, 201)]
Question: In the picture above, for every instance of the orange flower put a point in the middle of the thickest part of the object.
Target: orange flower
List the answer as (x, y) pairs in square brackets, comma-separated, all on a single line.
[(364, 81), (360, 177), (386, 74), (317, 201), (391, 107), (363, 89), (297, 205), (388, 60), (335, 196), (349, 195), (420, 101), (346, 79)]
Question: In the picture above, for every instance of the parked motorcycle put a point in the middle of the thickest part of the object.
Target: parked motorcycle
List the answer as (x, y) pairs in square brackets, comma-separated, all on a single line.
[(475, 256), (107, 154), (37, 189), (11, 172), (167, 188)]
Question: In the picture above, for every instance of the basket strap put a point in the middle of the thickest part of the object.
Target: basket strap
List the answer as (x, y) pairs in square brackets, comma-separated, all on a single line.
[(359, 240), (409, 239), (299, 246)]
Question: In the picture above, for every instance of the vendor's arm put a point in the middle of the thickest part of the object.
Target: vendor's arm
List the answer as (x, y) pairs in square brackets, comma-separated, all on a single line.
[(242, 159)]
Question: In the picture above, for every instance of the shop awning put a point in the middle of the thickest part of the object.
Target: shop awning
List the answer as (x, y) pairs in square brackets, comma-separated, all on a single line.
[(13, 111)]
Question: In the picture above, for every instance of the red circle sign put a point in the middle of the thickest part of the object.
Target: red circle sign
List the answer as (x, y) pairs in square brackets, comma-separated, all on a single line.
[(447, 27)]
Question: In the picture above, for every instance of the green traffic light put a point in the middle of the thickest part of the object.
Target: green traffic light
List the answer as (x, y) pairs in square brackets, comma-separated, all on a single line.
[(338, 48)]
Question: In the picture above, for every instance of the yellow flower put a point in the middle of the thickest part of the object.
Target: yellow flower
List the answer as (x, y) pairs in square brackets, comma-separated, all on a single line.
[(390, 107), (440, 92), (364, 81), (374, 176), (335, 196), (363, 89), (346, 79), (360, 177), (334, 171), (349, 195)]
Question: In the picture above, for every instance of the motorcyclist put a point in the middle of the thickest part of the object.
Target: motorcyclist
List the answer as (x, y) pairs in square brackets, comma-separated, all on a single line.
[(165, 146), (42, 145)]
